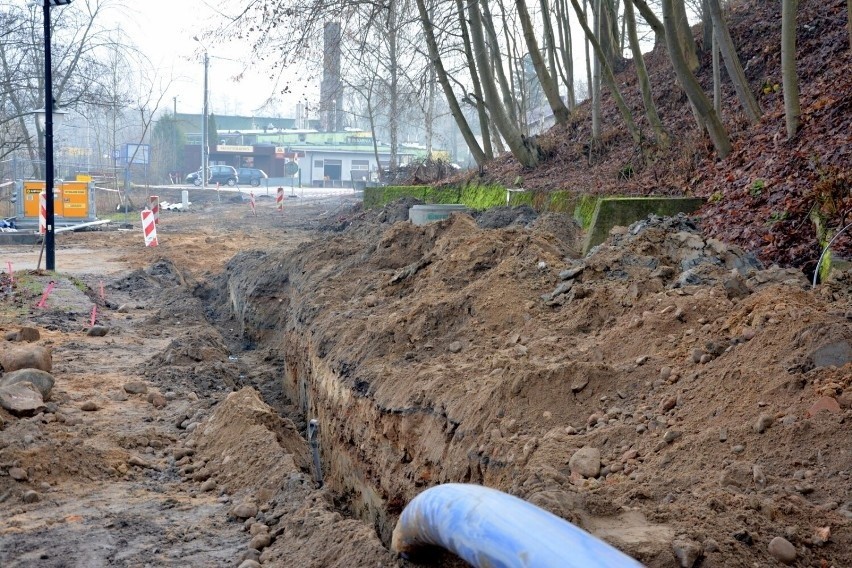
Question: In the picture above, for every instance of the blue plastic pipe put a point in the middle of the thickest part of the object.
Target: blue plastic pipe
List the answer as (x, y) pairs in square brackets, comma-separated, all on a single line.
[(491, 529)]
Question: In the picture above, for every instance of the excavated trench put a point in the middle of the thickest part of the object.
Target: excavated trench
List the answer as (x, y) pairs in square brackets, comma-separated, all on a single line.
[(374, 457), (392, 420), (445, 353)]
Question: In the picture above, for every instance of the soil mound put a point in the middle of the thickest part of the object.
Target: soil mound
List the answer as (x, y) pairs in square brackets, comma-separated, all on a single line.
[(491, 356)]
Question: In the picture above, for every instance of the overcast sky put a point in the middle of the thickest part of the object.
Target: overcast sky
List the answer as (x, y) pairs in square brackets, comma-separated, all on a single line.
[(163, 30)]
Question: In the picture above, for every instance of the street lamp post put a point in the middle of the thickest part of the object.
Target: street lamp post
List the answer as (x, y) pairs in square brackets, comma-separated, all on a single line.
[(205, 144), (205, 148), (49, 236)]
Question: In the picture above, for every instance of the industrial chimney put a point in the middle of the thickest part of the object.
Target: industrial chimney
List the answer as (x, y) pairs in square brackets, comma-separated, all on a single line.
[(331, 90)]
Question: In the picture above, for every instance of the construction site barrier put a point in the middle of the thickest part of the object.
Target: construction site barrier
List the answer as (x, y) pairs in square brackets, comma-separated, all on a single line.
[(149, 228), (489, 528), (154, 206), (42, 213)]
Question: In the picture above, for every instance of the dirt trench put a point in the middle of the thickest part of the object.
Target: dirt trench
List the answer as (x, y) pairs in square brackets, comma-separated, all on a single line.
[(453, 353), (472, 350)]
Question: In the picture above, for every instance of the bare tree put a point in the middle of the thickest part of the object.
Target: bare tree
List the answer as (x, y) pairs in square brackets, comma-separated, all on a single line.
[(443, 79), (789, 77), (524, 149), (626, 115), (479, 100), (566, 51), (548, 85), (642, 74), (79, 48), (732, 63), (700, 102)]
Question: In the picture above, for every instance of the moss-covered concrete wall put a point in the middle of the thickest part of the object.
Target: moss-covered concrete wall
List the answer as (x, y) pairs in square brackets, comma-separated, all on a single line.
[(473, 196), (596, 215), (614, 211)]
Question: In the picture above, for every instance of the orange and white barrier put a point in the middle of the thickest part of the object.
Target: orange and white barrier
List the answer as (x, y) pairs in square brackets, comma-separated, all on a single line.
[(252, 203), (149, 228), (279, 199), (154, 206), (42, 213)]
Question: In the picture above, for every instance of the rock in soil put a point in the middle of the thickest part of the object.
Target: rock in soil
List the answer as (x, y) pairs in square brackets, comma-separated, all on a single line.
[(30, 496), (42, 380), (135, 387), (21, 399), (27, 357), (586, 462), (18, 474), (244, 510), (782, 550)]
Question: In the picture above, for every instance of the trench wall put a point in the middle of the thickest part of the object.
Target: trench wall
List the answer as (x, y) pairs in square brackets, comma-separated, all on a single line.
[(378, 457)]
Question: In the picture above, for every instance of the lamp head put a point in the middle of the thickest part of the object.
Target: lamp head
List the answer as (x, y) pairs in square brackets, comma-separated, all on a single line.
[(41, 116)]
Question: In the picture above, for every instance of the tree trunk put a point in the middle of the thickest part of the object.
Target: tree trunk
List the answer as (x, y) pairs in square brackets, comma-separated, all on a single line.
[(717, 77), (477, 85), (494, 48), (393, 61), (610, 79), (732, 63), (684, 36), (567, 51), (430, 113), (789, 77), (548, 84), (594, 85), (642, 74), (690, 85), (549, 38), (523, 149), (706, 26), (651, 19), (607, 35), (588, 58), (455, 109)]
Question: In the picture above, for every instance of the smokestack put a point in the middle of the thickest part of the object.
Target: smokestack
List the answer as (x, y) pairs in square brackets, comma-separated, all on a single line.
[(331, 90)]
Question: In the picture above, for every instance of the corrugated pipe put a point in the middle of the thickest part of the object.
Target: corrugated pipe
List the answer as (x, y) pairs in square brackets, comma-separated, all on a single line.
[(488, 528)]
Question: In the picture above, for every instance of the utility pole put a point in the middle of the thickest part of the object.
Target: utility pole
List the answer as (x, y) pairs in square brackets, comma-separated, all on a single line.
[(177, 160), (205, 148), (49, 234)]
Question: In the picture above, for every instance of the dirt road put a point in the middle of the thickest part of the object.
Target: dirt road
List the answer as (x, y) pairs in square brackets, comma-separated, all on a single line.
[(454, 352)]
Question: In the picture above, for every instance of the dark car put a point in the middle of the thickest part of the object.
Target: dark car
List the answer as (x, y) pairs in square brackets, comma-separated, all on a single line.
[(216, 174), (252, 176)]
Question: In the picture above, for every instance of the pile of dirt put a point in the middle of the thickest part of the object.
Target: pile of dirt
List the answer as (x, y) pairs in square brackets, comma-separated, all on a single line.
[(712, 394), (666, 392), (245, 449)]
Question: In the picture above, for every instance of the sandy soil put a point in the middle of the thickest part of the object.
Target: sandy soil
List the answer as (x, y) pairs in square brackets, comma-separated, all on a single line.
[(459, 351)]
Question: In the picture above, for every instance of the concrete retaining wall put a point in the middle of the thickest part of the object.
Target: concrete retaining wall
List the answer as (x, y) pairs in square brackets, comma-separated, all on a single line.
[(614, 211)]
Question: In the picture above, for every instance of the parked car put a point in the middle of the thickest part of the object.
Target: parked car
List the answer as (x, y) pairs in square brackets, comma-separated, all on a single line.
[(252, 176), (216, 174)]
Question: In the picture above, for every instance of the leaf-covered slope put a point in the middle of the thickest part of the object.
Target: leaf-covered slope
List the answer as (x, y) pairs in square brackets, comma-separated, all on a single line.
[(764, 195)]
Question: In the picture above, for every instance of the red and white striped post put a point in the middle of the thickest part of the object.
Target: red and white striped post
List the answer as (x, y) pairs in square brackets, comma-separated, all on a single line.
[(279, 199), (42, 213), (154, 206), (149, 228), (252, 203)]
